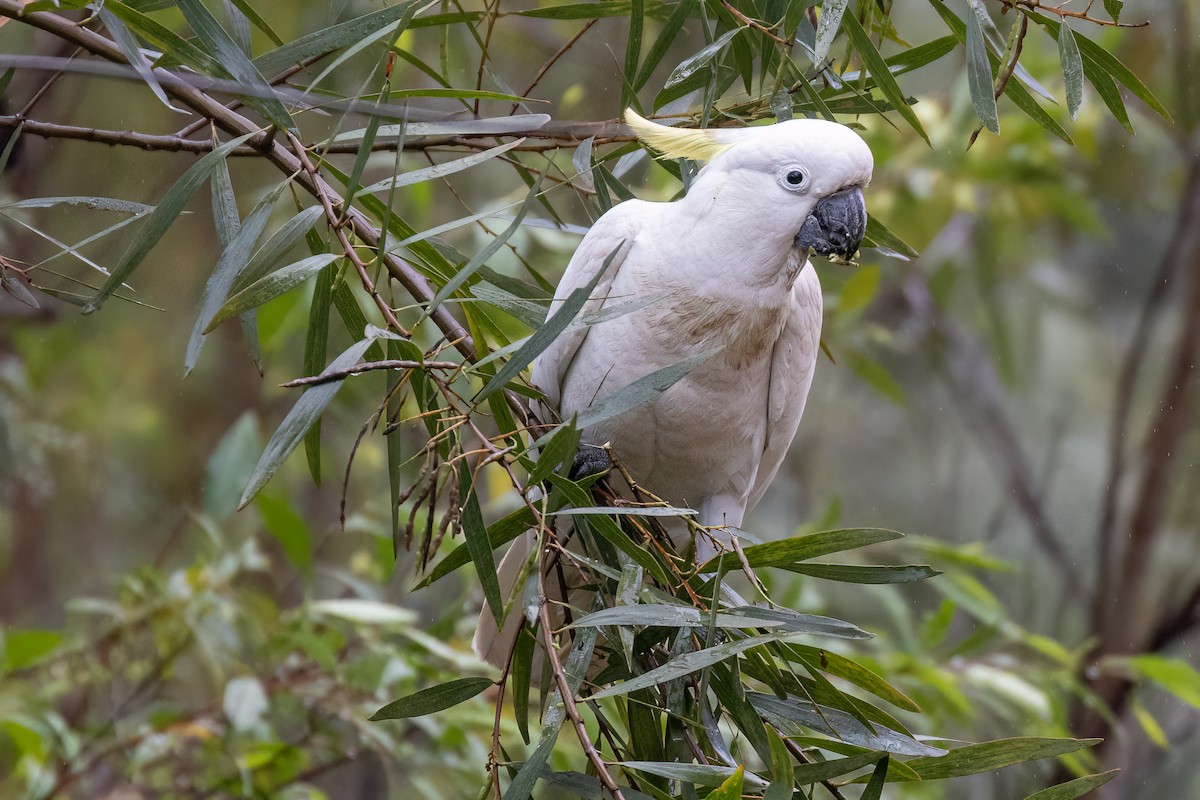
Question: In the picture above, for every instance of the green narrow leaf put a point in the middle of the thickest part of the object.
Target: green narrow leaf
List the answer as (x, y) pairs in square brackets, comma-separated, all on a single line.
[(731, 789), (1113, 7), (1072, 68), (307, 410), (874, 788), (478, 543), (787, 552), (544, 336), (641, 391), (1172, 674), (522, 672), (614, 8), (161, 219), (315, 344), (782, 779), (576, 667), (1109, 93), (1076, 788), (979, 70), (439, 170), (819, 771), (879, 71), (685, 665), (500, 532), (133, 54), (975, 759), (233, 258), (258, 20), (273, 250), (1109, 64), (332, 38), (162, 38), (692, 64), (795, 717), (434, 699), (271, 286), (558, 451), (827, 28), (703, 774), (479, 259), (633, 49), (878, 236), (235, 63), (1015, 91), (666, 37), (870, 574)]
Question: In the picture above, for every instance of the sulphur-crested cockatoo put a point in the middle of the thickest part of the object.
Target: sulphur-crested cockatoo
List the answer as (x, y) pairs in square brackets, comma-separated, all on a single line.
[(729, 265)]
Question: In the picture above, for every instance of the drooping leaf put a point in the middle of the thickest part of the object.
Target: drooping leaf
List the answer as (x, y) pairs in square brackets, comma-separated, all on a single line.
[(703, 774), (434, 699), (440, 170), (1075, 788), (786, 552), (685, 665), (827, 28), (796, 717), (478, 544), (692, 64), (235, 62), (275, 248), (1072, 68), (577, 663), (270, 286), (979, 70), (874, 788), (974, 759), (133, 53), (332, 38), (500, 532), (544, 336), (291, 431), (879, 71), (867, 574), (233, 258), (161, 219)]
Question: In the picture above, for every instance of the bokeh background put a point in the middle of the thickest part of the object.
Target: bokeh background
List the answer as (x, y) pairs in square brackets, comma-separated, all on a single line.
[(973, 398)]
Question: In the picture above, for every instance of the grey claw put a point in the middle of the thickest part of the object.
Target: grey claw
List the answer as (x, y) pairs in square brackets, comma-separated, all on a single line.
[(590, 460)]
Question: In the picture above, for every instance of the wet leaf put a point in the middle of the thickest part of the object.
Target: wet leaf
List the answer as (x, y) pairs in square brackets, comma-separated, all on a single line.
[(434, 699)]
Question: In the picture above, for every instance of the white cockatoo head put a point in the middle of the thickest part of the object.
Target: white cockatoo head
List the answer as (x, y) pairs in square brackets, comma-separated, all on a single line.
[(802, 177)]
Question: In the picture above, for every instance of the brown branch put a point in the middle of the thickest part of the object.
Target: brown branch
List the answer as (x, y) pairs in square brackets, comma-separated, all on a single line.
[(233, 123), (143, 141), (339, 230), (341, 374), (564, 689), (1037, 5), (755, 24)]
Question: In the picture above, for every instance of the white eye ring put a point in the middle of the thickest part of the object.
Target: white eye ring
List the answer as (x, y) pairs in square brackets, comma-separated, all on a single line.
[(793, 179)]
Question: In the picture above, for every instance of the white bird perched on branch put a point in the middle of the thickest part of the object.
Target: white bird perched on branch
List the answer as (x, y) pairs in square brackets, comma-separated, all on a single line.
[(730, 263)]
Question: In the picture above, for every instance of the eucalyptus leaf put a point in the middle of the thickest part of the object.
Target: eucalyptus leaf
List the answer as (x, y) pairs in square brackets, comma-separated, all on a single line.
[(434, 699)]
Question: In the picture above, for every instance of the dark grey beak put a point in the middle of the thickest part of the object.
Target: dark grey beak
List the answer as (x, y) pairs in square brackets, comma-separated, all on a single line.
[(836, 225)]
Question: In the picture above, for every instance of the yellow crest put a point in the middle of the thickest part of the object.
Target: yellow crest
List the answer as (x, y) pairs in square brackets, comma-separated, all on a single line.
[(698, 144)]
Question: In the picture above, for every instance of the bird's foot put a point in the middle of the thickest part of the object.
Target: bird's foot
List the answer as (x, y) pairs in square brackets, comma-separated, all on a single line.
[(590, 460)]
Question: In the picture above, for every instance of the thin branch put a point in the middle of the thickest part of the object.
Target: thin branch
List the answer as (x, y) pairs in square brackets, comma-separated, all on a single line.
[(564, 689), (336, 222), (550, 62), (143, 141), (1037, 5), (232, 122), (341, 374)]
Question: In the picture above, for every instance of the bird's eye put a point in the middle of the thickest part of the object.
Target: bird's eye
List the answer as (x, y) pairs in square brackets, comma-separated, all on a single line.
[(795, 177)]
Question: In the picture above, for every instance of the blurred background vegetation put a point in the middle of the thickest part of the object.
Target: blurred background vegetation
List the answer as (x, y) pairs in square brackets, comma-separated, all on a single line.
[(1022, 397)]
